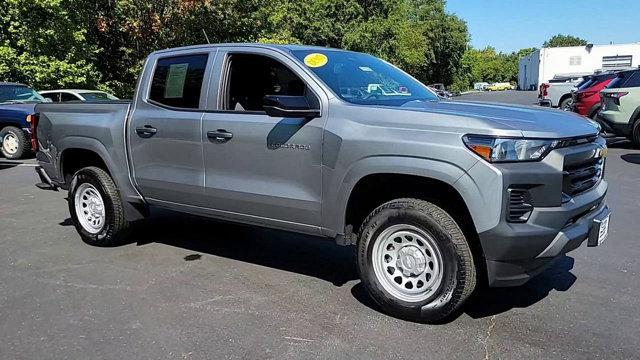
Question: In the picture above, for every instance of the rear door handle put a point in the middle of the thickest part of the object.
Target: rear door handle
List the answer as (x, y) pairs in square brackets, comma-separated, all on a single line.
[(220, 135), (146, 131)]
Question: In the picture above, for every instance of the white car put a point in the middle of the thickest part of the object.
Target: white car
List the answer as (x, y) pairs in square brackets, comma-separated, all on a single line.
[(63, 95)]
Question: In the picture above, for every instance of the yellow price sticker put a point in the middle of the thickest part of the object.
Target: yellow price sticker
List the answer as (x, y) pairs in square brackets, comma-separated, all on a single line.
[(315, 60)]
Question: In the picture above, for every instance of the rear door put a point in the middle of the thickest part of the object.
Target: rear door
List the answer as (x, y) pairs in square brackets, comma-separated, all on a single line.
[(165, 134), (258, 168)]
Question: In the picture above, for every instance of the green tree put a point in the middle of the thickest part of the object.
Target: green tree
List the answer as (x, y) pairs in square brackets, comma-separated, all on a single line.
[(103, 43), (564, 40), (43, 43)]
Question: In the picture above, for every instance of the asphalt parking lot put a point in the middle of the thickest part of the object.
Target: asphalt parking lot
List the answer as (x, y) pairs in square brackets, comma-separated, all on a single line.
[(190, 288)]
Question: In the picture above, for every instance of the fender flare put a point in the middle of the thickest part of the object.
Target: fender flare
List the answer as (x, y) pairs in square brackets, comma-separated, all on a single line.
[(128, 193), (336, 206)]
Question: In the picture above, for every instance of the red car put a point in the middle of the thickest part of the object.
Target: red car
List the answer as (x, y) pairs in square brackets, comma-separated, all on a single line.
[(586, 100)]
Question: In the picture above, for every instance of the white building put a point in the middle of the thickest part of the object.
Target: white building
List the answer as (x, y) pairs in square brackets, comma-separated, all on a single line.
[(543, 64)]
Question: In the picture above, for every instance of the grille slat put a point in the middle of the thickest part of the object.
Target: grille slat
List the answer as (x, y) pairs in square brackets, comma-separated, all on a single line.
[(579, 178)]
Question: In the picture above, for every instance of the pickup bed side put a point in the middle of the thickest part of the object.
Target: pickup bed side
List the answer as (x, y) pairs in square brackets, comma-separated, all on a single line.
[(74, 135)]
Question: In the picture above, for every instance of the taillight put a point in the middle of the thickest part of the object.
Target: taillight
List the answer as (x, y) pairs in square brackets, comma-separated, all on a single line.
[(33, 124), (543, 89), (586, 94), (615, 96)]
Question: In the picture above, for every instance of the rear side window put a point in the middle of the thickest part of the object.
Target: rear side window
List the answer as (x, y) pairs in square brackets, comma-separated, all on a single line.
[(177, 81), (625, 79), (633, 81), (68, 97)]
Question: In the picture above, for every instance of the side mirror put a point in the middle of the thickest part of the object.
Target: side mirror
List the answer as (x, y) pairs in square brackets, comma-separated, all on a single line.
[(289, 107)]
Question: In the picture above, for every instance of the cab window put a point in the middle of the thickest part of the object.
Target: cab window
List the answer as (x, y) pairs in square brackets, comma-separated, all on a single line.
[(251, 77), (177, 81)]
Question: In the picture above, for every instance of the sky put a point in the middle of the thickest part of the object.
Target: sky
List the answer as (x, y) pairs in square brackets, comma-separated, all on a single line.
[(510, 25)]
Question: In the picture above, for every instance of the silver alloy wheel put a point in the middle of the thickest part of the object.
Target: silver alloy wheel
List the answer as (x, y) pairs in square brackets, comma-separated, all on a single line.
[(10, 143), (89, 208), (407, 263)]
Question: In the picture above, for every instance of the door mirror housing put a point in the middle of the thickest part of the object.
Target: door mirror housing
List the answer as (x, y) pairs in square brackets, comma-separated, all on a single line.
[(289, 107)]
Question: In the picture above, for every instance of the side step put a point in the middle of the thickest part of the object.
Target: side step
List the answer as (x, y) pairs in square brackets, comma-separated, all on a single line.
[(46, 183)]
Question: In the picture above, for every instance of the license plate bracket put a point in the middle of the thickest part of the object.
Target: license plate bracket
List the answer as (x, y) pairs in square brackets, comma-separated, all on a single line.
[(599, 228)]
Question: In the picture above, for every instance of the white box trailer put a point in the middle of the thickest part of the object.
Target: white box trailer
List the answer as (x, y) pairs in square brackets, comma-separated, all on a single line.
[(543, 64)]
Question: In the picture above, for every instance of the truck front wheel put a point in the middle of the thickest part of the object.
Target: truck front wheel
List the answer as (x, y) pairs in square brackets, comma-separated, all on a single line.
[(96, 208), (414, 260)]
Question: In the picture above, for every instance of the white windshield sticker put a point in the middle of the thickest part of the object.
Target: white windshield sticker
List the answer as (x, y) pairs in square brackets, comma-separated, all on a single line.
[(175, 81), (365, 68)]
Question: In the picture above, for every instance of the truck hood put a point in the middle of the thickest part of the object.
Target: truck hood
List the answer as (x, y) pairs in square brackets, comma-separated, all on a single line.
[(532, 121)]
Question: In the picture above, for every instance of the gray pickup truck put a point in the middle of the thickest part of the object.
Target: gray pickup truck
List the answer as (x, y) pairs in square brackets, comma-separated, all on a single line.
[(438, 196)]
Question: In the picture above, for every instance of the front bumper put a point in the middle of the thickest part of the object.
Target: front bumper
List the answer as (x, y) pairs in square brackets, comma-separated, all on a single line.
[(516, 251), (529, 239)]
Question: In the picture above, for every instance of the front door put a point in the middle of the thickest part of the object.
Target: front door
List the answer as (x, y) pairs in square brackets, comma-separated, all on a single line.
[(258, 168), (165, 132)]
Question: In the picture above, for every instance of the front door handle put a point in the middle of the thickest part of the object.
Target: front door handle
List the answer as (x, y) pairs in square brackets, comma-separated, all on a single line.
[(146, 131), (220, 135)]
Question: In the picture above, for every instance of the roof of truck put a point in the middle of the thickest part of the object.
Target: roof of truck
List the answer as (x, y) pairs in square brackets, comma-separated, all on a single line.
[(288, 47)]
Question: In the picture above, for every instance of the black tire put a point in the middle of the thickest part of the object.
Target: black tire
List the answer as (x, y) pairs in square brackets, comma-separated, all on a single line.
[(564, 104), (594, 113), (115, 228), (23, 143), (635, 133), (459, 271)]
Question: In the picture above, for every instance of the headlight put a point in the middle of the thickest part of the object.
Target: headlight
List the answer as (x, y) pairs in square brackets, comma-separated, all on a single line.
[(496, 149)]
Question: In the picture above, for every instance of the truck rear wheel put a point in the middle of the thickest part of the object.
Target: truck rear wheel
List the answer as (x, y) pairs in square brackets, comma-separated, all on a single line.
[(414, 260), (96, 208), (14, 143)]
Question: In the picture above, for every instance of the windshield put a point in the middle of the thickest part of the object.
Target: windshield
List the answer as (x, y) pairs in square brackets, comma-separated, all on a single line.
[(18, 94), (364, 79), (91, 96)]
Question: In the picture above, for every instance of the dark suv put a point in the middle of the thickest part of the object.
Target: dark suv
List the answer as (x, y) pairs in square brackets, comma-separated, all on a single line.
[(17, 102)]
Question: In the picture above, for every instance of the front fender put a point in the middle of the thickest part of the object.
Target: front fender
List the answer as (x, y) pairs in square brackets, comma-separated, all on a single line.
[(334, 209)]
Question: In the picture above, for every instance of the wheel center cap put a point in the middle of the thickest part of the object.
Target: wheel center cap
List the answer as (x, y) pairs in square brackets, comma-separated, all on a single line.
[(411, 261)]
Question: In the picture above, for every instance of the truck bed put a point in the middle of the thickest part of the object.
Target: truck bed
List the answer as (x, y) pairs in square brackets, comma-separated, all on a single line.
[(93, 126)]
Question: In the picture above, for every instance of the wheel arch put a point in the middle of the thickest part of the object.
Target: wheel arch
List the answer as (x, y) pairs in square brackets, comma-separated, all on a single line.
[(563, 98), (79, 152), (432, 175), (83, 152)]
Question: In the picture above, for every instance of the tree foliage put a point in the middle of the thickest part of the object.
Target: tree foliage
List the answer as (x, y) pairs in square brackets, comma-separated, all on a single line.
[(103, 43), (564, 40), (487, 65)]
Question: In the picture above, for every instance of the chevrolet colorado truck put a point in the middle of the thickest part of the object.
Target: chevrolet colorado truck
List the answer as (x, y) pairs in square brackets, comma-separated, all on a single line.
[(436, 195)]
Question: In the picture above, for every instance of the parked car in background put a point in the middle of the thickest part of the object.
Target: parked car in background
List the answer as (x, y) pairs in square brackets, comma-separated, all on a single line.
[(64, 95), (586, 99), (437, 195), (480, 86), (440, 90), (558, 91), (620, 113), (499, 86), (17, 103)]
